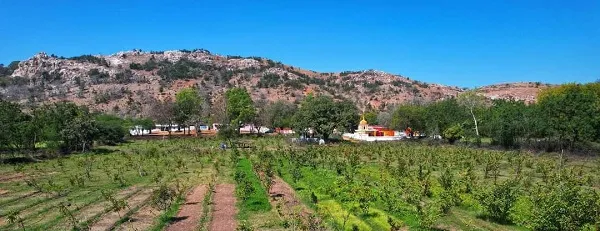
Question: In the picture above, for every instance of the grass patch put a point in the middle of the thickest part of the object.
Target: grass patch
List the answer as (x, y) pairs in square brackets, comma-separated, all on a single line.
[(332, 209), (250, 192)]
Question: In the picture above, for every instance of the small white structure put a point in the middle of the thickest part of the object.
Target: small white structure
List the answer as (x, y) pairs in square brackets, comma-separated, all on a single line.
[(138, 131), (250, 128), (369, 134)]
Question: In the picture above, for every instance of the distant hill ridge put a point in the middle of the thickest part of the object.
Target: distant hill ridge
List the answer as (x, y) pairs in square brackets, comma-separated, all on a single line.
[(127, 82)]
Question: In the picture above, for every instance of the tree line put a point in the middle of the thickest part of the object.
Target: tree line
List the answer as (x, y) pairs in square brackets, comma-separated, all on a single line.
[(62, 126), (564, 117)]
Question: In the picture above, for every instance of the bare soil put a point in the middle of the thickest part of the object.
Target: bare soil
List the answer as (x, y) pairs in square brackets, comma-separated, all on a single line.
[(189, 215), (140, 220), (2, 191), (107, 221), (282, 193), (224, 208), (11, 178)]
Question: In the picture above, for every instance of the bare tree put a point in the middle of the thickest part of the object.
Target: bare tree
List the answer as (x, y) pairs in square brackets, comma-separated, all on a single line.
[(163, 112), (471, 100)]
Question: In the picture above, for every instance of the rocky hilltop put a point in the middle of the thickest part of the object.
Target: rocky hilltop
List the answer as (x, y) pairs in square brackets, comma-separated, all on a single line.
[(129, 82)]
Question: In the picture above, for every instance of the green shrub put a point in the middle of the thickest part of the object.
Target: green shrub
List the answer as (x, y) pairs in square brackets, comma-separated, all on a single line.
[(498, 200), (564, 207), (454, 133)]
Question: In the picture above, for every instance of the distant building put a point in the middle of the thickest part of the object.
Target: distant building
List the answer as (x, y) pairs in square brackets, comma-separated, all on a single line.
[(364, 132)]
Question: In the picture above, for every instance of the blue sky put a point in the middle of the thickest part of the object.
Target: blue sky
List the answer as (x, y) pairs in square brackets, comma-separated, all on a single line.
[(464, 43)]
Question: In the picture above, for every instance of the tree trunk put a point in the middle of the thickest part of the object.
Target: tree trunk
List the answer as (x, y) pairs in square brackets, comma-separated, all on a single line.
[(475, 120)]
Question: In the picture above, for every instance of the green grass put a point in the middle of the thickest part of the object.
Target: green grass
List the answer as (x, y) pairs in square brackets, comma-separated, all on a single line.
[(258, 200)]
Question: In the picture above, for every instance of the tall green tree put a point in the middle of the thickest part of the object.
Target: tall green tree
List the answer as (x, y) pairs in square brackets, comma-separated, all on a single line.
[(318, 113), (506, 122), (324, 115), (240, 108), (347, 116), (442, 115), (15, 126), (188, 106), (572, 112), (408, 115)]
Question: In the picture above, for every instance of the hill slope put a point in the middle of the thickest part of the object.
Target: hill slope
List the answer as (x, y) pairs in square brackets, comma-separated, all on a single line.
[(128, 82)]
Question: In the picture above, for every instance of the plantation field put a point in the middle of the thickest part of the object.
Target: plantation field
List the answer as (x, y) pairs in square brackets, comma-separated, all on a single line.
[(191, 184)]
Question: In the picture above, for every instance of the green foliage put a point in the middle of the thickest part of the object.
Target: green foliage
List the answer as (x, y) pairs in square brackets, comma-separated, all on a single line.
[(564, 206), (90, 59), (278, 114), (507, 121), (269, 80), (442, 115), (240, 108), (188, 105), (111, 129), (249, 189), (16, 127), (8, 70), (163, 197), (136, 66), (124, 77), (572, 112), (182, 69), (371, 117), (324, 115), (405, 116), (98, 76), (453, 133), (498, 200)]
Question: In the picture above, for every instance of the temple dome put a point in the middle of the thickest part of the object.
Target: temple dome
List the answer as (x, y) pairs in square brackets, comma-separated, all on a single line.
[(363, 122)]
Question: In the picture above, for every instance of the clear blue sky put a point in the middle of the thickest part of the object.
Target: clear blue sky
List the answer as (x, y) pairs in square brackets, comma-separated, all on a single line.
[(464, 43)]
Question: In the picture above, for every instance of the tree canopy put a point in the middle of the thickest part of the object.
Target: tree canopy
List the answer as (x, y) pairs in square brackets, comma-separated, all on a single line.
[(324, 115), (240, 108), (188, 106)]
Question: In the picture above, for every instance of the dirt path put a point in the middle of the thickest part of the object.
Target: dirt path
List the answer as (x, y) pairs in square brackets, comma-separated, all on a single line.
[(282, 192), (224, 208), (283, 197), (189, 215), (107, 221), (142, 219)]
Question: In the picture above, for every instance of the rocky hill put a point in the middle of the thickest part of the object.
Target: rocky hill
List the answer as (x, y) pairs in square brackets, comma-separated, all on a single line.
[(525, 91), (128, 82)]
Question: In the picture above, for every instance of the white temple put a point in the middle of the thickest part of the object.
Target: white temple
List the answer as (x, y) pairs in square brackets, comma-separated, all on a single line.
[(364, 132)]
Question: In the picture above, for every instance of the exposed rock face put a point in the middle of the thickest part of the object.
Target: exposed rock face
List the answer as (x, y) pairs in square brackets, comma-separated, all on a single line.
[(127, 82), (525, 91)]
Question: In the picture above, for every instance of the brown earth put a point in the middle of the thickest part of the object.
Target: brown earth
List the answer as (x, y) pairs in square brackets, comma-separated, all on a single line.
[(223, 218), (107, 221), (189, 215), (2, 191), (12, 178), (282, 193), (140, 220)]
